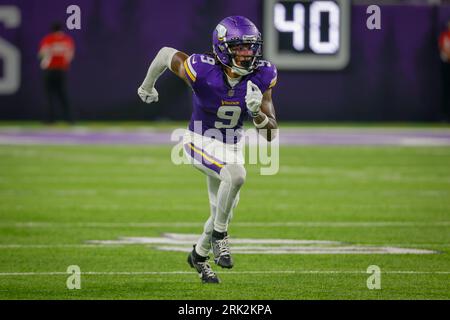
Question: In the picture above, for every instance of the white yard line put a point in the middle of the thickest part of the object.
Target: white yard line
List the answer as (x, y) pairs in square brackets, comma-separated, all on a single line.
[(121, 245), (370, 250), (306, 224), (46, 246), (116, 244), (137, 273)]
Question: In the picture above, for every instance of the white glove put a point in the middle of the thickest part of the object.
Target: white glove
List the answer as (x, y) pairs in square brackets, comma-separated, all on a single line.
[(148, 97), (253, 98)]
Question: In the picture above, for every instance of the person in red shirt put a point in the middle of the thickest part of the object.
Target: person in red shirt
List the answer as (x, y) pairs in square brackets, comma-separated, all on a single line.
[(56, 52), (444, 48)]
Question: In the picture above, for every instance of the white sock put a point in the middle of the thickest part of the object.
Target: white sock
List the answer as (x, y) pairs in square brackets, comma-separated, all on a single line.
[(204, 242), (233, 177)]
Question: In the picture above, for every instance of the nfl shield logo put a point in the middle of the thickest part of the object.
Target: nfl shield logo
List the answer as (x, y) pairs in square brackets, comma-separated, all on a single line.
[(231, 93)]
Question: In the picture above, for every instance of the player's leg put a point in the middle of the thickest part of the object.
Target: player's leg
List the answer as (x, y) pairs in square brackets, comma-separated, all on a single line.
[(445, 92), (224, 164), (64, 98), (236, 202), (232, 178), (50, 94), (224, 183), (202, 266), (204, 242), (198, 257)]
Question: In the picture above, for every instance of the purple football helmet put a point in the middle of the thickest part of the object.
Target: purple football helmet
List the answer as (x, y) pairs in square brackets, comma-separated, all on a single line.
[(236, 31)]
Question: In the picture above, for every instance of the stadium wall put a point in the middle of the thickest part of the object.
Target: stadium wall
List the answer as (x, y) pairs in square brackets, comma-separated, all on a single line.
[(393, 74)]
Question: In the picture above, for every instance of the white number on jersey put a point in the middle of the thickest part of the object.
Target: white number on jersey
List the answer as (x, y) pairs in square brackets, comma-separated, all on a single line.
[(207, 59), (264, 63), (230, 114)]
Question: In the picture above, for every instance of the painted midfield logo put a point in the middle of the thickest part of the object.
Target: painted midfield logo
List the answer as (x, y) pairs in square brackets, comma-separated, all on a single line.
[(183, 243)]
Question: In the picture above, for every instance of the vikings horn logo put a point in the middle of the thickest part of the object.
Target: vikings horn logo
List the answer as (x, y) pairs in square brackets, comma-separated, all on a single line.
[(221, 32)]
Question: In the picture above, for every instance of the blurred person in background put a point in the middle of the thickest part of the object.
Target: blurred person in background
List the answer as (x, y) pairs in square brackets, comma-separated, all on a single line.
[(444, 48), (56, 52)]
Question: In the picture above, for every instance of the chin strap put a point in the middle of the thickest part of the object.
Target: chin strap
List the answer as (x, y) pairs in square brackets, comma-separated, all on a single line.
[(237, 70), (240, 71)]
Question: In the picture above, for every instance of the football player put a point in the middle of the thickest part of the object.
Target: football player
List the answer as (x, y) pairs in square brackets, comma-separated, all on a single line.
[(228, 85)]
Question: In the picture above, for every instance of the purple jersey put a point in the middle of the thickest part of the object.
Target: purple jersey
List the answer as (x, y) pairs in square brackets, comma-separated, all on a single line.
[(215, 103)]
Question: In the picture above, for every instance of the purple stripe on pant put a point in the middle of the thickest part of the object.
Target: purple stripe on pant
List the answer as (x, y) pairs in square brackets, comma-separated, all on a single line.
[(200, 157)]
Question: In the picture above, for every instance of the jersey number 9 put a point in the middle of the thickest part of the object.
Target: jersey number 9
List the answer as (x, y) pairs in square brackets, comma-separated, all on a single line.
[(230, 114)]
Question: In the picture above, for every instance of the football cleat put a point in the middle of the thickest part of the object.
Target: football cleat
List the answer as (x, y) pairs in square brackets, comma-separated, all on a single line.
[(221, 250), (203, 268)]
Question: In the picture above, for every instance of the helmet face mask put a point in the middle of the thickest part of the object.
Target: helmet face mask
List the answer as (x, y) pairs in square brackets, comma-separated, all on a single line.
[(237, 44), (245, 54)]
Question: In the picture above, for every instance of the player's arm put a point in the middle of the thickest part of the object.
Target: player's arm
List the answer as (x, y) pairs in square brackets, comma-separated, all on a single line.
[(177, 65), (44, 54), (262, 109), (43, 50), (167, 58)]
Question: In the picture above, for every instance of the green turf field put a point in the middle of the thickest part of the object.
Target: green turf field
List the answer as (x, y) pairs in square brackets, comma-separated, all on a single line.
[(55, 198)]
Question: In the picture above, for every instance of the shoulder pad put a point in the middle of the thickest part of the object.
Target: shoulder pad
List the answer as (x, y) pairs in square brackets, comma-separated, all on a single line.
[(198, 65), (267, 74)]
